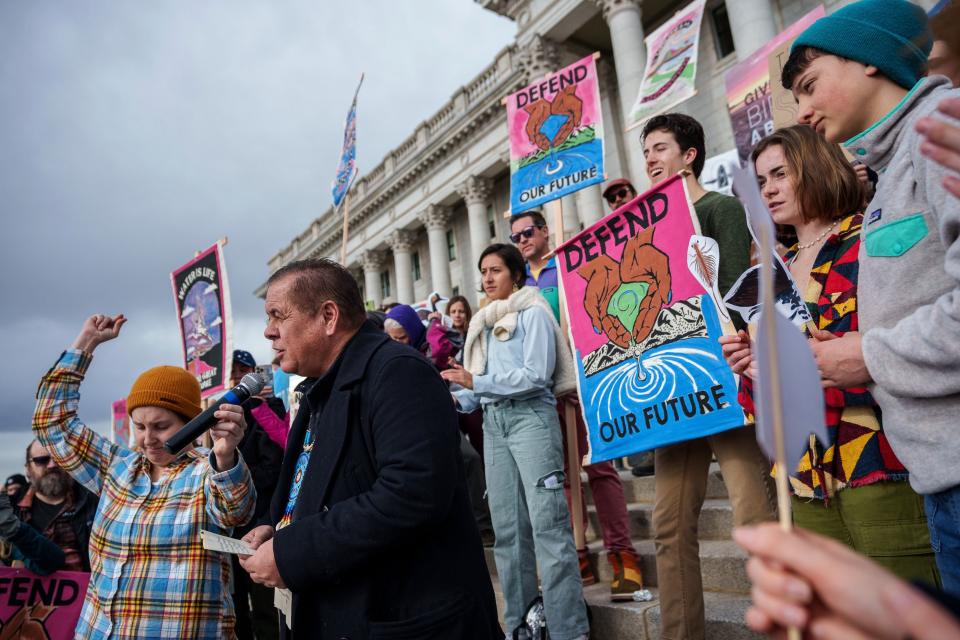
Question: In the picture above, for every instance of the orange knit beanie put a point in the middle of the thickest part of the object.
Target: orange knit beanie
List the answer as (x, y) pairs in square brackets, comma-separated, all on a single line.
[(169, 387)]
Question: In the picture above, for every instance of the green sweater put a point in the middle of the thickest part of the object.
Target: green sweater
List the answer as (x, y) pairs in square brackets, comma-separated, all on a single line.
[(723, 219)]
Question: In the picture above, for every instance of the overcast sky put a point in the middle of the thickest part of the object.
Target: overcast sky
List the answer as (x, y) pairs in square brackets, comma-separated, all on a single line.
[(134, 133)]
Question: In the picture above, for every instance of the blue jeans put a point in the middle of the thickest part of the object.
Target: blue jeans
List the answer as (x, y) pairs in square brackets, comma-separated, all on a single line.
[(943, 519), (523, 455)]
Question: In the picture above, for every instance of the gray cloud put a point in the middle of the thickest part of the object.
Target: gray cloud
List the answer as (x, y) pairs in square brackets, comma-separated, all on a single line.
[(136, 133)]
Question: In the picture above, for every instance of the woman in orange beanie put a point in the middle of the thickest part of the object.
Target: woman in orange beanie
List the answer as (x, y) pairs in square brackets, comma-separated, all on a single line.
[(150, 575)]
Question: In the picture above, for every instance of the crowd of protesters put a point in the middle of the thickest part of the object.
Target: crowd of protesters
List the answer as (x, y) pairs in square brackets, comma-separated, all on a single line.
[(424, 434)]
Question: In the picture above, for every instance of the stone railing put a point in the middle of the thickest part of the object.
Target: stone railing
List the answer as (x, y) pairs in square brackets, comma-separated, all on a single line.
[(482, 84), (406, 147), (371, 190), (442, 117)]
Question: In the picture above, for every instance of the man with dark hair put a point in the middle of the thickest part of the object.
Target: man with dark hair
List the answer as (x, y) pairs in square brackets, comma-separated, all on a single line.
[(673, 143), (261, 450), (530, 233), (58, 507), (372, 530)]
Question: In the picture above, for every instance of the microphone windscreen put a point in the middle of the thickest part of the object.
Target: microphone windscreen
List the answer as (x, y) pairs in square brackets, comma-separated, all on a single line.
[(253, 383)]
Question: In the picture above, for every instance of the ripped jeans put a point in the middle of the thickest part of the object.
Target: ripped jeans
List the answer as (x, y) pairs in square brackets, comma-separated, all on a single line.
[(523, 456)]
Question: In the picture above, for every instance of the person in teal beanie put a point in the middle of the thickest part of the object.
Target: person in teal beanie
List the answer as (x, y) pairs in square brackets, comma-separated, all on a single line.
[(858, 77)]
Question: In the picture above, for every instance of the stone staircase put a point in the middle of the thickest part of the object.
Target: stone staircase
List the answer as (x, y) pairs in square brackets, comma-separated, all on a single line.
[(725, 582)]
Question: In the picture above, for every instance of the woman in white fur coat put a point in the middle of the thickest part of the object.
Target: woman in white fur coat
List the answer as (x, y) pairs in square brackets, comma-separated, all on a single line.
[(516, 362)]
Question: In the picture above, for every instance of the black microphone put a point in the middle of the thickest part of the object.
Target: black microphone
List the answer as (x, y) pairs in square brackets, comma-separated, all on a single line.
[(250, 385)]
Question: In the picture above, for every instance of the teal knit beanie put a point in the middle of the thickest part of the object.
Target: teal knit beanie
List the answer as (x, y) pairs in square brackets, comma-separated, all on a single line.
[(891, 35)]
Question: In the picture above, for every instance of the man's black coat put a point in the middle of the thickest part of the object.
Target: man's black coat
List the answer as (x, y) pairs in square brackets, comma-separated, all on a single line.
[(383, 542), (263, 457)]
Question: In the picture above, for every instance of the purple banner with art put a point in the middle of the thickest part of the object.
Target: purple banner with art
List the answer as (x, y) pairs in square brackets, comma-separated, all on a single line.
[(203, 309), (645, 313), (556, 136), (749, 89)]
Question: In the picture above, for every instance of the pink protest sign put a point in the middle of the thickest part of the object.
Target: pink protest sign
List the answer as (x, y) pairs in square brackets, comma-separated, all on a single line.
[(33, 606), (645, 316), (120, 423), (556, 136), (749, 94)]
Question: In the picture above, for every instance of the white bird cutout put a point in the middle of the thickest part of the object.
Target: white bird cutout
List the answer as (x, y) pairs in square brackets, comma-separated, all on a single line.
[(703, 260)]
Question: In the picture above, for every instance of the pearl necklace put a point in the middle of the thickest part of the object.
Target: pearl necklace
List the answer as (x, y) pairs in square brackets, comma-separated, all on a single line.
[(823, 235)]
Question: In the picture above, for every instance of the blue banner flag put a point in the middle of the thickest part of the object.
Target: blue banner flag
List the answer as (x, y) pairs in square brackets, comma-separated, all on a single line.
[(347, 168)]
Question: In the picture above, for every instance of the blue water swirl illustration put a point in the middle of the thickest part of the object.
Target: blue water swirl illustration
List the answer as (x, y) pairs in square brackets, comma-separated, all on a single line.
[(622, 389)]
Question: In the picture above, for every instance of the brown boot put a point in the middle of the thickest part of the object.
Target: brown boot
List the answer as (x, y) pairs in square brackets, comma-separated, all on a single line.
[(626, 575), (586, 573)]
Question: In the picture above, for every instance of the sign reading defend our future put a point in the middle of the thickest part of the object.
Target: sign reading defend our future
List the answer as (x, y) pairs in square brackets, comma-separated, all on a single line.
[(556, 136), (645, 318)]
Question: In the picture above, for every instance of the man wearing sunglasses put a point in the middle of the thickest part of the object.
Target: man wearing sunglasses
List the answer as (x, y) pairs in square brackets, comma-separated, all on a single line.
[(618, 193), (530, 233), (58, 507)]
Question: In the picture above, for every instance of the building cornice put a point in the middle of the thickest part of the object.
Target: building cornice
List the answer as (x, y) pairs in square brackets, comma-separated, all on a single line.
[(611, 7), (472, 110)]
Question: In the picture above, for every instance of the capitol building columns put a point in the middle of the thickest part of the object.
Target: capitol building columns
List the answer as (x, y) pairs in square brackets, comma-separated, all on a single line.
[(476, 192), (436, 219), (372, 261), (401, 242), (630, 57), (752, 25)]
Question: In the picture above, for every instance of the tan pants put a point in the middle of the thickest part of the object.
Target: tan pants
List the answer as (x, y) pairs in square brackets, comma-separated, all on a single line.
[(681, 487)]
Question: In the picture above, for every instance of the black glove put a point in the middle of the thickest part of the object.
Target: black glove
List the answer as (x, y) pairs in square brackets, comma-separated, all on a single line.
[(9, 522)]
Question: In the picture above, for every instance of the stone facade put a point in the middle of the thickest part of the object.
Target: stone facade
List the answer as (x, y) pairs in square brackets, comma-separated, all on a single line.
[(445, 189)]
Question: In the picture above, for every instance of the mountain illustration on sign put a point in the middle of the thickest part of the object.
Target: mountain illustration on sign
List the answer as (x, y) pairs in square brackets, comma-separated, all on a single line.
[(624, 299)]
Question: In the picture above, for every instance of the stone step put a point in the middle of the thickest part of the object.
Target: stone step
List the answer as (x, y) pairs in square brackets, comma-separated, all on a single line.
[(642, 489), (641, 620), (716, 520), (722, 565)]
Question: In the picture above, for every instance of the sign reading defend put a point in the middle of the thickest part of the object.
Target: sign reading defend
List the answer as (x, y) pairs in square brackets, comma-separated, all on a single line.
[(640, 291), (556, 136)]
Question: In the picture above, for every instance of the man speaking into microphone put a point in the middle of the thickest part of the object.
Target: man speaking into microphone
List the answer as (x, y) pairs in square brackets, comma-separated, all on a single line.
[(372, 529)]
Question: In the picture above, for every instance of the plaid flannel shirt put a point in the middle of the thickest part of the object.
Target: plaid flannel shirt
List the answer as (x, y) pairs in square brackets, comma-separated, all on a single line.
[(150, 576)]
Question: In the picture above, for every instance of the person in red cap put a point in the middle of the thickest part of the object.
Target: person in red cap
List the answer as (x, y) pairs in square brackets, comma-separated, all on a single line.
[(618, 193)]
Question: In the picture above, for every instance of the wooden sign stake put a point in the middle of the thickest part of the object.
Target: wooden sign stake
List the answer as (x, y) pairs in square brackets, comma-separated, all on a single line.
[(784, 508), (570, 418), (346, 229)]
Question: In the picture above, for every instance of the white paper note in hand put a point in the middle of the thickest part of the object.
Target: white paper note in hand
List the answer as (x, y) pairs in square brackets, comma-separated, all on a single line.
[(215, 542), (283, 601)]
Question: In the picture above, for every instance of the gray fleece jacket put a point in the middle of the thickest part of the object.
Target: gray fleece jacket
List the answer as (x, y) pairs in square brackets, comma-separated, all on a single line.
[(909, 292)]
